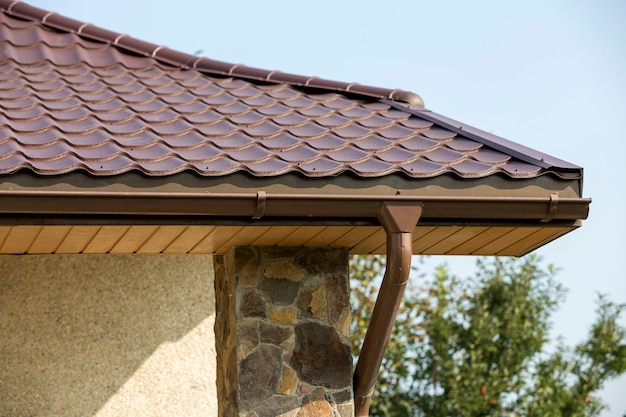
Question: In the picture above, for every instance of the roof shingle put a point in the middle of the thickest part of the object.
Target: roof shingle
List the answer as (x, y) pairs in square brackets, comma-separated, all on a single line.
[(77, 97)]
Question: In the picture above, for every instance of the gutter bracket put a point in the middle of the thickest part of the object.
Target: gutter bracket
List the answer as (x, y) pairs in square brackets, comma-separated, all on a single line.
[(398, 218), (261, 198), (554, 205)]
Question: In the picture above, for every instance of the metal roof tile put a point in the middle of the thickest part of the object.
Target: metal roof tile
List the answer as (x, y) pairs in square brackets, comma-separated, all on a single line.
[(204, 116), (154, 152), (221, 128), (93, 138), (166, 166), (10, 163), (315, 111), (438, 133), (39, 139), (191, 107), (372, 167), (247, 91), (307, 130), (322, 166), (339, 103), (280, 91), (191, 139), (352, 131), (375, 122), (347, 154), (275, 109), (199, 154), (421, 168), (395, 114), (373, 143), (89, 102), (168, 88), (101, 96), (233, 108), (248, 118), (220, 99), (444, 155), (470, 169), (22, 103), (298, 154), (283, 140), (395, 155), (9, 147), (131, 88), (102, 107), (490, 156), (290, 119), (299, 101), (12, 84), (258, 101), (118, 115), (358, 112), (235, 141), (162, 116), (327, 141), (219, 166), (175, 127), (91, 87), (268, 167), (521, 169), (463, 145), (395, 132), (24, 113), (334, 120), (264, 129), (182, 98)]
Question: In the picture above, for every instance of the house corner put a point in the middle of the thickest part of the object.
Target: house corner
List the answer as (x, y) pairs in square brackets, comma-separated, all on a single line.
[(283, 332)]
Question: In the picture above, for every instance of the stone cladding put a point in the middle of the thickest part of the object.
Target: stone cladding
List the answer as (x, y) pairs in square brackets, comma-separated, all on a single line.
[(282, 332)]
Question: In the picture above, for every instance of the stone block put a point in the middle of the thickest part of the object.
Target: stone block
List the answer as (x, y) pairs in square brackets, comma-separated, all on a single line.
[(289, 350)]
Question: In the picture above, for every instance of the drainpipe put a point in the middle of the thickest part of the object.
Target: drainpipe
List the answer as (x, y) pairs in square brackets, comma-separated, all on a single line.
[(398, 220)]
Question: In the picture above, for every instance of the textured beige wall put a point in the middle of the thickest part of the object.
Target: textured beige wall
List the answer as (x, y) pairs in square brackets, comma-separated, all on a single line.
[(107, 335)]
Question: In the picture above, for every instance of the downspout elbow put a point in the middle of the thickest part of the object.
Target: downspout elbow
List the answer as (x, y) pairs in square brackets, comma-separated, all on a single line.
[(398, 220)]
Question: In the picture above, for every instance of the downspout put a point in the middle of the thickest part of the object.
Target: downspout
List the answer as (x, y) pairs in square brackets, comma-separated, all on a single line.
[(398, 220)]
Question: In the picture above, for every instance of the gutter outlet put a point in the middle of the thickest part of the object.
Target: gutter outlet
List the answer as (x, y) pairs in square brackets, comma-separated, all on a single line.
[(398, 220)]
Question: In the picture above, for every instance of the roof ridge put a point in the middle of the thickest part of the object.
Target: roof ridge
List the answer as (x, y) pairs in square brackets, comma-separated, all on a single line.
[(206, 65)]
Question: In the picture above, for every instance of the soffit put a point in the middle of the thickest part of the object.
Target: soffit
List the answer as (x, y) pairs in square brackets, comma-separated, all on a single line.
[(428, 239)]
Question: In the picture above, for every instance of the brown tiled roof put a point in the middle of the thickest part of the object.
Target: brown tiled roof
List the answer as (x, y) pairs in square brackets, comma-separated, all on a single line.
[(77, 97)]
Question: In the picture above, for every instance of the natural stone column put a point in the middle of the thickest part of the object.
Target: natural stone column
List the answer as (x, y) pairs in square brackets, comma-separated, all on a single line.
[(282, 331)]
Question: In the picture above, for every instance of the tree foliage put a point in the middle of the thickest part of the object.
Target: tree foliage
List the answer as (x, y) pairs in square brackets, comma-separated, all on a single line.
[(480, 346)]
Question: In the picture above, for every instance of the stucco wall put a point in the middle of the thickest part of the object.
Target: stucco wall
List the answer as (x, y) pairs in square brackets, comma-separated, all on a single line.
[(107, 335)]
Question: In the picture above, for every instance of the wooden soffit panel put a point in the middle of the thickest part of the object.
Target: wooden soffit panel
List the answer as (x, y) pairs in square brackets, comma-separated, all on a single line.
[(151, 239)]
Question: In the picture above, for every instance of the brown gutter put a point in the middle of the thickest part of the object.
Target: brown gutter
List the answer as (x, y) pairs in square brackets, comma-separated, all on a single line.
[(398, 219), (261, 204)]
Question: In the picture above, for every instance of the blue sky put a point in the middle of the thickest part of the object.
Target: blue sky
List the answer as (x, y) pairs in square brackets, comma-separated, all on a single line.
[(548, 74)]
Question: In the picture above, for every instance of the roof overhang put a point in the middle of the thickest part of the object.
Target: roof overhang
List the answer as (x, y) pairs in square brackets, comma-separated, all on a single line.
[(77, 213)]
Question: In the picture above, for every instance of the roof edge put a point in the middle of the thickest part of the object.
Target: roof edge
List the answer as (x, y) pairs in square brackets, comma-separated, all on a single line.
[(516, 150), (268, 205), (202, 64)]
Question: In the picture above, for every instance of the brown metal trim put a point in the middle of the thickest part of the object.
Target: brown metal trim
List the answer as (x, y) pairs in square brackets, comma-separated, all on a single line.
[(398, 219), (516, 150), (286, 205)]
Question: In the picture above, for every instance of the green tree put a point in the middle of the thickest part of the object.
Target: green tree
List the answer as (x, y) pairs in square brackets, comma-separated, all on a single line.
[(480, 346)]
